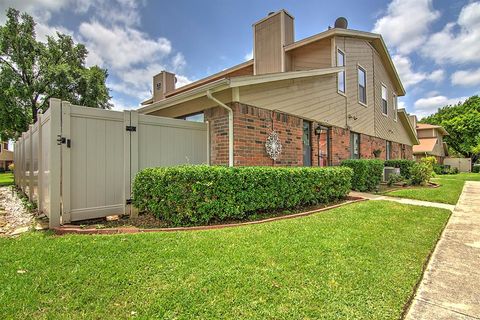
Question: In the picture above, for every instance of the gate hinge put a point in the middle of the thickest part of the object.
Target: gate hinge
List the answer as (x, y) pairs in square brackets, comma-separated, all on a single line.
[(61, 140), (131, 128), (128, 201)]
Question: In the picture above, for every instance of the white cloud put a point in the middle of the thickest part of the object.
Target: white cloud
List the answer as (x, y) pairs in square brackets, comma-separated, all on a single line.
[(406, 24), (410, 77), (466, 77), (182, 81), (248, 56), (427, 106), (178, 62), (458, 42)]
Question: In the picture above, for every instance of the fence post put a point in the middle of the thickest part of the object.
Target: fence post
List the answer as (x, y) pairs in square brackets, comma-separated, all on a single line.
[(55, 162), (133, 156), (40, 165), (30, 163), (66, 187), (23, 163)]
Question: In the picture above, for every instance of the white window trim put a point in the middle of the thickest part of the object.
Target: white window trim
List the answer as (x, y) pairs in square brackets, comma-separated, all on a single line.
[(381, 97), (344, 70), (395, 107), (359, 66)]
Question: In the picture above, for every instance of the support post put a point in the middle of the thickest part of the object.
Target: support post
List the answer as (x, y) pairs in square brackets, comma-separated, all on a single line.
[(66, 170), (55, 163), (133, 156), (30, 163), (40, 165), (126, 162)]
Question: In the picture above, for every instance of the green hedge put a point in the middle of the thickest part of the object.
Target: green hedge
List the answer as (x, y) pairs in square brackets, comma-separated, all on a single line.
[(367, 173), (476, 168), (197, 195), (404, 165)]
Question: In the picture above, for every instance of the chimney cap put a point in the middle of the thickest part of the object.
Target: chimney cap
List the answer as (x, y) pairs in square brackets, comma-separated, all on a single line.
[(341, 22)]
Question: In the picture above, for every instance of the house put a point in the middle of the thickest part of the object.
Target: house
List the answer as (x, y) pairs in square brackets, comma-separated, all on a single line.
[(431, 142), (312, 102), (6, 156)]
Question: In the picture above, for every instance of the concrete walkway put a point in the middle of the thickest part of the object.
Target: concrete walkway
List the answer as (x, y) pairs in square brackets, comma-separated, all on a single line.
[(402, 200), (450, 288)]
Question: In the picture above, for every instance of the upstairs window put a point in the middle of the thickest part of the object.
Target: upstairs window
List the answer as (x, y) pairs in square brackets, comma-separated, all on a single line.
[(384, 100), (341, 74), (362, 86), (395, 107)]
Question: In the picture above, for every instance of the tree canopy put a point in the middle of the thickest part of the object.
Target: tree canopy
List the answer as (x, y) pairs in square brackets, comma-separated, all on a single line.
[(32, 72), (462, 121)]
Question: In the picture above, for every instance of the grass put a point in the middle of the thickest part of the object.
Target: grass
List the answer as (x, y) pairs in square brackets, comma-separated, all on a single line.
[(360, 261), (6, 179), (449, 191)]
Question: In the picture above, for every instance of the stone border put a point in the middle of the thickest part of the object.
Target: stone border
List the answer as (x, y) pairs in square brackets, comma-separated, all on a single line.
[(71, 229)]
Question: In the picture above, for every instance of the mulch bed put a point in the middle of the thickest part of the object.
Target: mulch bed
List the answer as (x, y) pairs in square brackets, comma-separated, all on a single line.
[(148, 223)]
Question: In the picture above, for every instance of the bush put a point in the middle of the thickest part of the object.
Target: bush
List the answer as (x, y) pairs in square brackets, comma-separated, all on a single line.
[(420, 173), (11, 167), (439, 169), (2, 170), (394, 178), (453, 170), (367, 173), (196, 195), (476, 168), (430, 161), (403, 164)]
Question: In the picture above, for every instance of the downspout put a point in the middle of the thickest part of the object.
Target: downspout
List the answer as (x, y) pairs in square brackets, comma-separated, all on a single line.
[(230, 126)]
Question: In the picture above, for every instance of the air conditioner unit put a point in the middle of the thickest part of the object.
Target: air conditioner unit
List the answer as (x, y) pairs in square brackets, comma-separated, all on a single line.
[(388, 171)]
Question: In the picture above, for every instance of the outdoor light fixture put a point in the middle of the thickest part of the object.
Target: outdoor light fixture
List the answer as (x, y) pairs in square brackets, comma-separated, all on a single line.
[(318, 130)]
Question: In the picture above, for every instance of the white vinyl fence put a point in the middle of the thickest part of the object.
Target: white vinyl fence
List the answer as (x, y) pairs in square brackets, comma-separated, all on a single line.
[(463, 164), (78, 163)]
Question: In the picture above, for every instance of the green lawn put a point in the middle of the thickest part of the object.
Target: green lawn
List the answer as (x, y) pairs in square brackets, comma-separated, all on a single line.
[(449, 191), (360, 261), (6, 179)]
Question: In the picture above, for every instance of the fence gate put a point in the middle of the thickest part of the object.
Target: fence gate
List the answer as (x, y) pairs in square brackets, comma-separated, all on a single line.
[(87, 158)]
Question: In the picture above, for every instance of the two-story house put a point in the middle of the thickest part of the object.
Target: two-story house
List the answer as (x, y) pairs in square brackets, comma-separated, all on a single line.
[(431, 142), (325, 98), (6, 156)]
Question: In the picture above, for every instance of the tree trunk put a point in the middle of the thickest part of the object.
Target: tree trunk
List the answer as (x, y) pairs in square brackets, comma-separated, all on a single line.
[(34, 110)]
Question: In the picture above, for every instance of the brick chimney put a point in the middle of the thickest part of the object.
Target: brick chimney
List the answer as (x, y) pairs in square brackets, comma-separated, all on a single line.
[(163, 83), (270, 35)]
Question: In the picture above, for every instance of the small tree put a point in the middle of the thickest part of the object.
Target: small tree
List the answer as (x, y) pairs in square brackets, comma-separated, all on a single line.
[(31, 72)]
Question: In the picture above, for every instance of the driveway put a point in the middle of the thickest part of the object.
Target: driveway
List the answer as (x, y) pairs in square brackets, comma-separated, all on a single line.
[(450, 288)]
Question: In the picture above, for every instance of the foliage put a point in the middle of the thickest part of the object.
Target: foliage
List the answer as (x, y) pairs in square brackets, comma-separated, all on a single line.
[(367, 173), (394, 178), (32, 72), (281, 268), (420, 173), (453, 170), (476, 168), (430, 161), (197, 195), (462, 122), (11, 166), (403, 164), (449, 191), (6, 179), (377, 153)]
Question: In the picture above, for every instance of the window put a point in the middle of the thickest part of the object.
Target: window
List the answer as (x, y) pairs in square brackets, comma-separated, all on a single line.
[(195, 117), (341, 74), (354, 145), (384, 100), (388, 150), (395, 107), (362, 86)]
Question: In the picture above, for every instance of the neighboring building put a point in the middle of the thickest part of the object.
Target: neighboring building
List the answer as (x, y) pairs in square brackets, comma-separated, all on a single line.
[(6, 156), (330, 97), (431, 142)]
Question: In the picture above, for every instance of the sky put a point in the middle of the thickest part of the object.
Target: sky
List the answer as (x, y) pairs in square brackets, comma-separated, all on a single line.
[(435, 45)]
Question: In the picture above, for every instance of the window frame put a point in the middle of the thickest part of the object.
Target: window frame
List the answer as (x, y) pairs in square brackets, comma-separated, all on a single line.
[(184, 117), (352, 146), (359, 67), (386, 100), (395, 106), (344, 92)]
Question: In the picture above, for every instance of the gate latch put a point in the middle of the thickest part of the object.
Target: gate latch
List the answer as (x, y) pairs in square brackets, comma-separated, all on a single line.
[(131, 128), (62, 140)]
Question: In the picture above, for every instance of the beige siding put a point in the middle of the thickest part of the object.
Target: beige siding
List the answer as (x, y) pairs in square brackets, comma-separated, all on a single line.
[(316, 55), (193, 106), (427, 133), (268, 47), (313, 98)]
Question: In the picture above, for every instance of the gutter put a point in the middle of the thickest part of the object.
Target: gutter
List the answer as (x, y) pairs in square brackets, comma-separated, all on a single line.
[(230, 125)]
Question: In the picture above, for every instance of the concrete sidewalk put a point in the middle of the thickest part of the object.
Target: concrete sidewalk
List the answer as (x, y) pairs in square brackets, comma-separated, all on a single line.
[(450, 288), (371, 196)]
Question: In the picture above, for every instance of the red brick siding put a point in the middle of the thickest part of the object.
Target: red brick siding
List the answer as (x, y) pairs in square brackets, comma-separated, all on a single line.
[(252, 126)]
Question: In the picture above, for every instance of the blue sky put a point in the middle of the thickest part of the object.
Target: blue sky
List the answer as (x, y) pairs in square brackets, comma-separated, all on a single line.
[(434, 44)]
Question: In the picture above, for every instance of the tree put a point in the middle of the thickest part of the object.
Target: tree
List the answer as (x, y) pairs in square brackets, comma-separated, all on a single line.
[(32, 72), (462, 122)]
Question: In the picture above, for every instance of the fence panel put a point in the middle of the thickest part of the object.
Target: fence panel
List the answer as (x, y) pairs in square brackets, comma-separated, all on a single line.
[(463, 164)]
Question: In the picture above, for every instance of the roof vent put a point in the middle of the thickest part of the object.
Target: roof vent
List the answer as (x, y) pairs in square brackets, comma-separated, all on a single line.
[(341, 23)]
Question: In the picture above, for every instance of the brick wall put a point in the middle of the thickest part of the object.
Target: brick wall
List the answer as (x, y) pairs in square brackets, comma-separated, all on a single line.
[(252, 126)]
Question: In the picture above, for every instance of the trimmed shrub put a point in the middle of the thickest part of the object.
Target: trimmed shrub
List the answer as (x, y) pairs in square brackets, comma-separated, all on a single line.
[(197, 195), (420, 173), (394, 178), (367, 173), (403, 164), (476, 168)]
